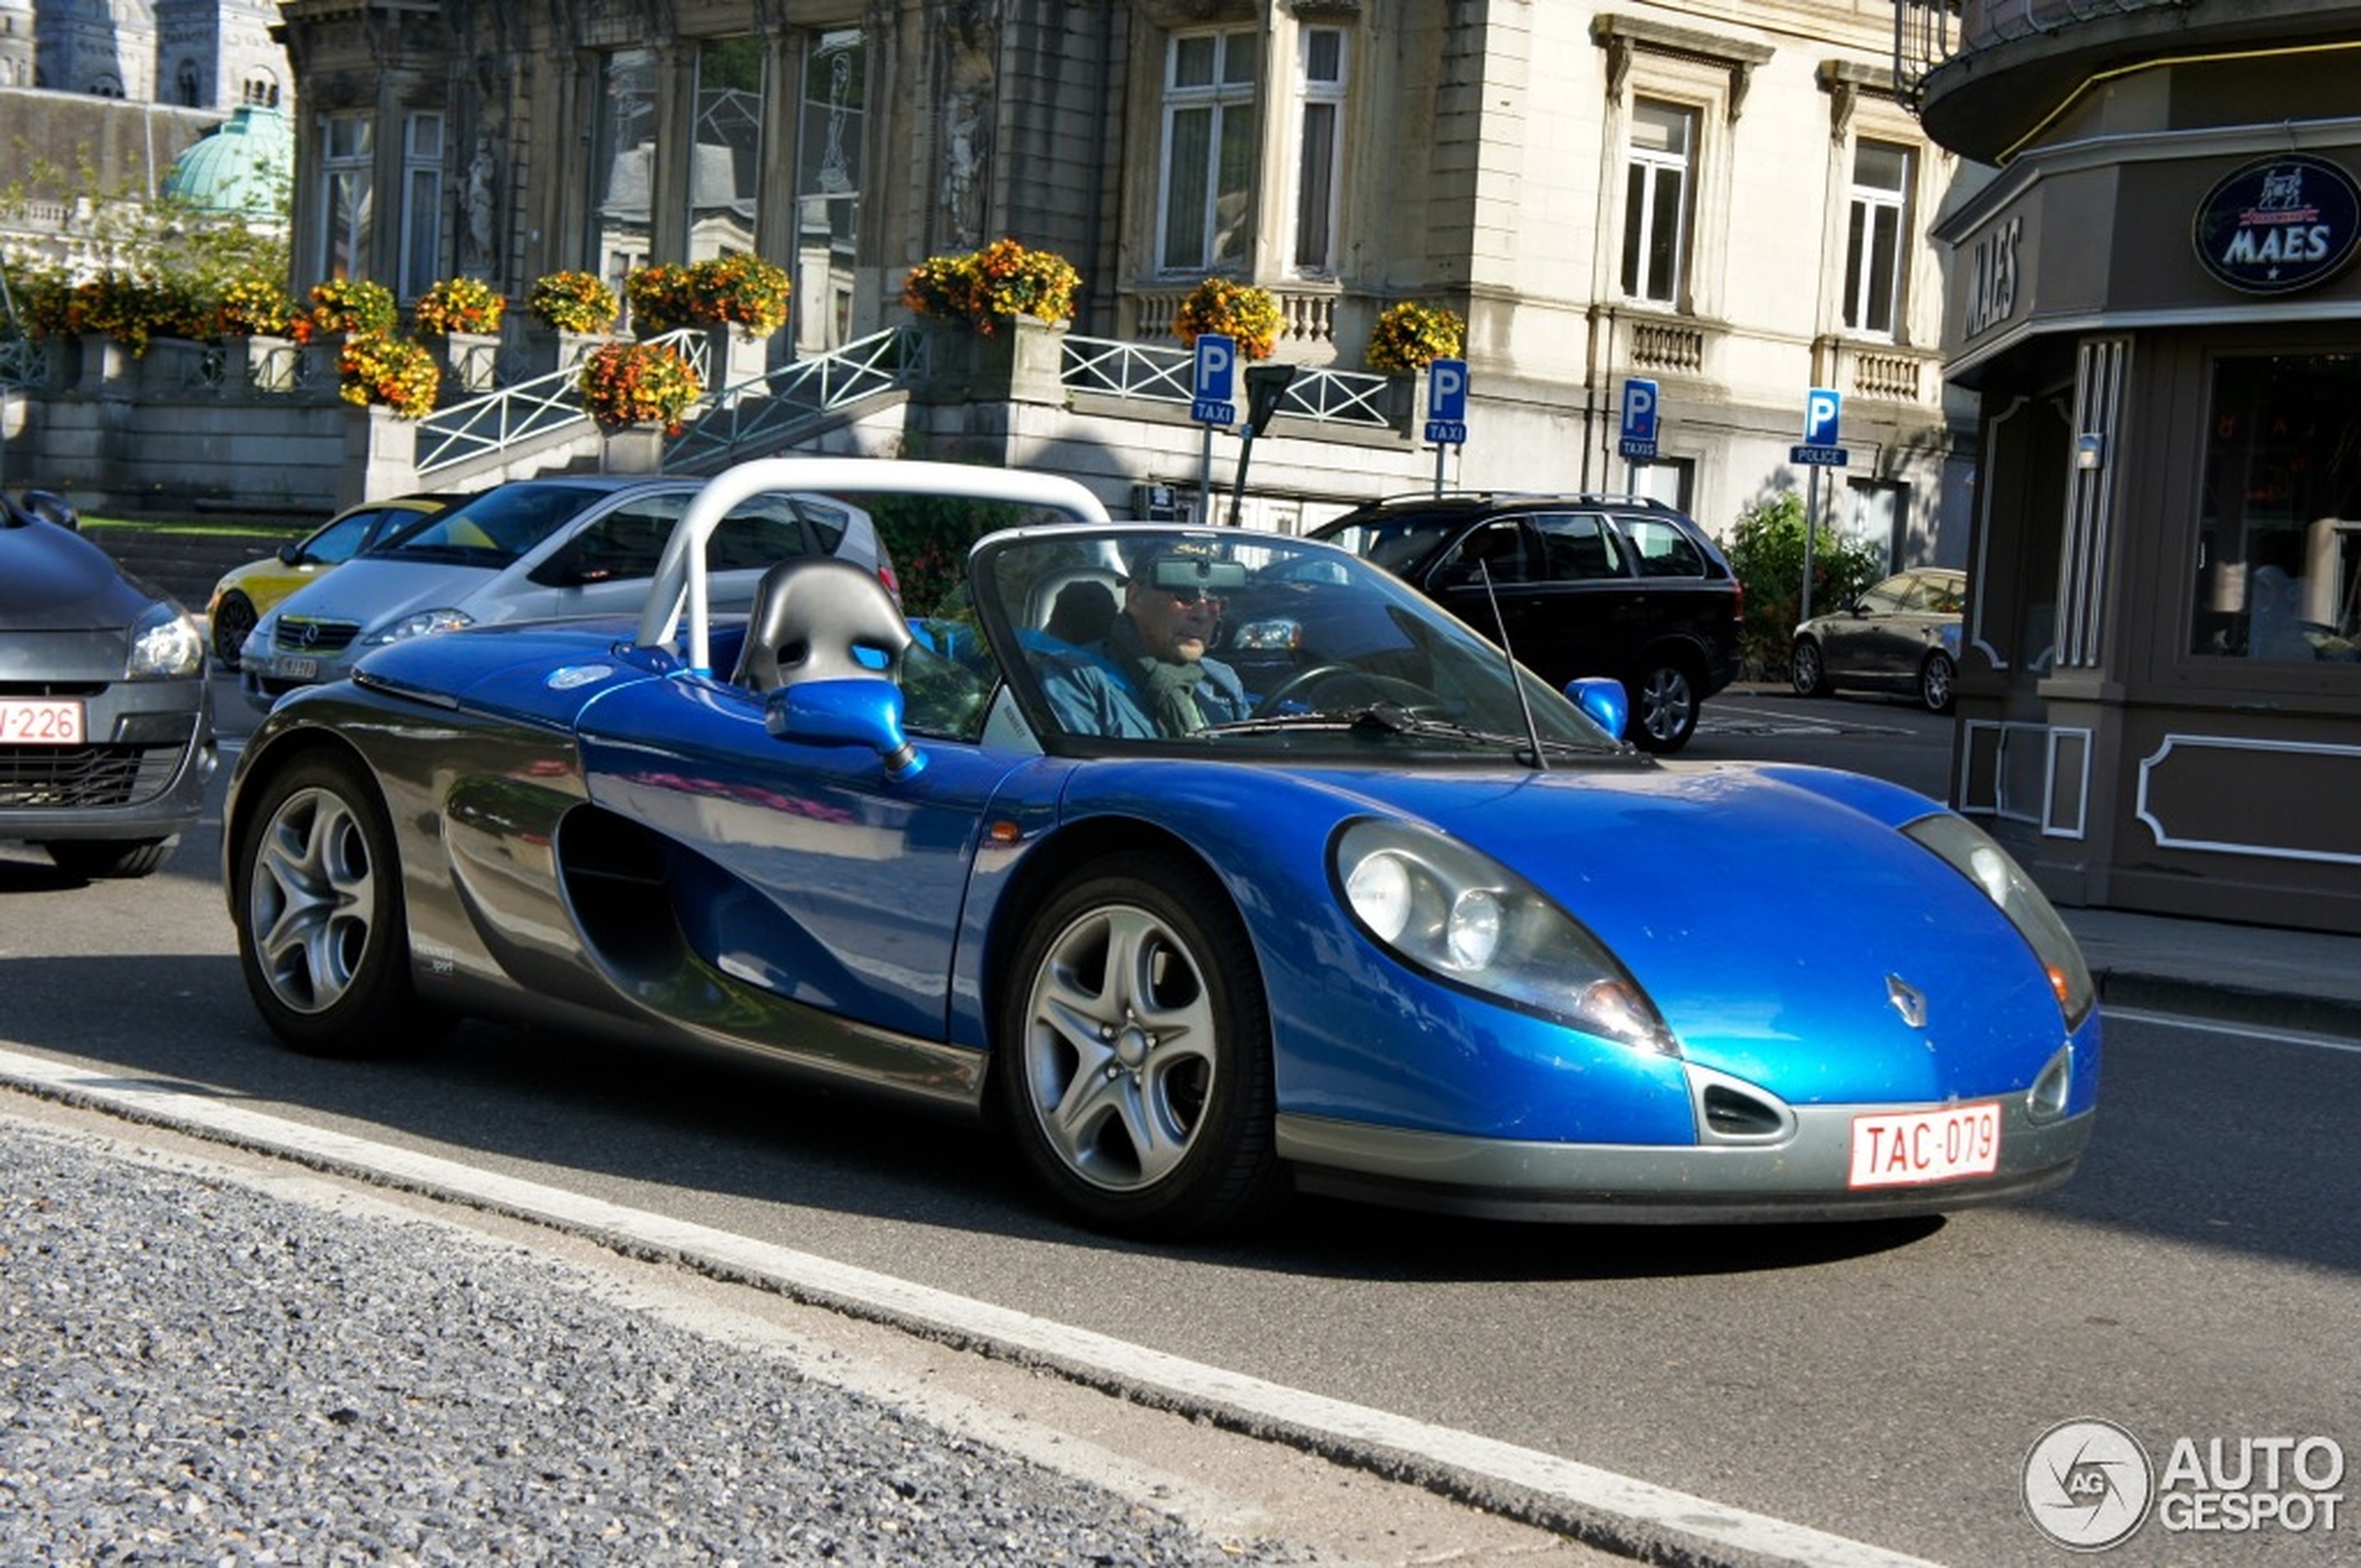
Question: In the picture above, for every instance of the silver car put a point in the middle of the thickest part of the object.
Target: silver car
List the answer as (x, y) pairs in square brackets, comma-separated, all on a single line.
[(535, 549)]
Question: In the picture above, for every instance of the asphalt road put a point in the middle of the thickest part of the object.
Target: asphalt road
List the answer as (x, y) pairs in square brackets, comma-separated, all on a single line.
[(1881, 1382)]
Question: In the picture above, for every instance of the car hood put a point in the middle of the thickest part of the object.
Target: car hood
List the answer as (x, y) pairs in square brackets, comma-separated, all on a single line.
[(1697, 879), (371, 590), (51, 580)]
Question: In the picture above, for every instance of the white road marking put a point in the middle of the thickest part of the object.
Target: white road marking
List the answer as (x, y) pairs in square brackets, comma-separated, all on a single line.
[(1709, 1532), (2243, 1031)]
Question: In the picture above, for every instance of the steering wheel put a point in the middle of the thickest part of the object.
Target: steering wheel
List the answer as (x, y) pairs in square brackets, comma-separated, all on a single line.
[(1387, 688)]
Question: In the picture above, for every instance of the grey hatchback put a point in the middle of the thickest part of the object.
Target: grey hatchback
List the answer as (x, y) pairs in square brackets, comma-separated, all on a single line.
[(106, 728), (1577, 584)]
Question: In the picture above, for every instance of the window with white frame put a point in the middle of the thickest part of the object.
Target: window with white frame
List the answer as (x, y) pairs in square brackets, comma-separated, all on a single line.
[(1208, 176), (421, 203), (1320, 53), (1879, 220), (1658, 175), (345, 155)]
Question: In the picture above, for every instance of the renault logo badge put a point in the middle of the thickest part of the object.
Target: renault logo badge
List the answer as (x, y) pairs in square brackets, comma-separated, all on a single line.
[(1908, 1000)]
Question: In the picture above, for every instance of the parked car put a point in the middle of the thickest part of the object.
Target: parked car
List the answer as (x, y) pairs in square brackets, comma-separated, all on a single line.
[(1900, 635), (106, 726), (533, 549), (245, 592), (1404, 923), (1576, 585)]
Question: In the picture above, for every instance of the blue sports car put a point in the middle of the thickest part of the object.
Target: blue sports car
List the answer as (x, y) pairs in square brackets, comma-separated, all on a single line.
[(1210, 862)]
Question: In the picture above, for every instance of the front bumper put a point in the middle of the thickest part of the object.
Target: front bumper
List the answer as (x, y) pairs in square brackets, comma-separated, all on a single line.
[(145, 779), (1800, 1176)]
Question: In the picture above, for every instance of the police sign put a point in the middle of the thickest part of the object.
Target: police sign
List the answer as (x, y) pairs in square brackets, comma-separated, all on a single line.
[(1213, 391), (1823, 411), (1639, 440), (1447, 403)]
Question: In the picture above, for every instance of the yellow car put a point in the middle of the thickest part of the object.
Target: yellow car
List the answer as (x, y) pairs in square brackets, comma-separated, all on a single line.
[(243, 593)]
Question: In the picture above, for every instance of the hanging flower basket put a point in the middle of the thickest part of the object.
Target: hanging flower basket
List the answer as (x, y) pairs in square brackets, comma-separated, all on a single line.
[(742, 291), (354, 305), (573, 302), (1244, 311), (1410, 336), (626, 384), (988, 286), (459, 305), (378, 367)]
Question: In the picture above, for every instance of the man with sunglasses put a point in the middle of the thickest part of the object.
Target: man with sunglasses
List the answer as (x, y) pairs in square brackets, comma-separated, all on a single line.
[(1149, 675)]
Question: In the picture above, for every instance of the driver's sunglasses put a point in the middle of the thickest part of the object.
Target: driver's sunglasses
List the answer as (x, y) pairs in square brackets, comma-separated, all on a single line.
[(1187, 596)]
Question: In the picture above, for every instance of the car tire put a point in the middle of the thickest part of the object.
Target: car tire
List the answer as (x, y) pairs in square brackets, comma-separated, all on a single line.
[(1664, 707), (109, 858), (316, 887), (1808, 669), (1134, 1052), (1937, 678), (232, 622)]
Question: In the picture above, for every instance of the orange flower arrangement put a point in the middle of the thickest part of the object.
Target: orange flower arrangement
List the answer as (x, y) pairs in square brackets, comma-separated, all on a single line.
[(1003, 279), (1244, 311), (378, 367), (637, 384)]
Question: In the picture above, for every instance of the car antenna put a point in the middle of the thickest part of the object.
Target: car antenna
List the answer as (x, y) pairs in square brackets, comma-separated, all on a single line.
[(1516, 676)]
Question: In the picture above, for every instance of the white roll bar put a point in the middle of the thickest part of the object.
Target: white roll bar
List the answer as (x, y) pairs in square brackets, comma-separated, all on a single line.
[(681, 574)]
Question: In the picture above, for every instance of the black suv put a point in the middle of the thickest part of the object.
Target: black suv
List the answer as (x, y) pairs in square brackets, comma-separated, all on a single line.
[(1586, 585)]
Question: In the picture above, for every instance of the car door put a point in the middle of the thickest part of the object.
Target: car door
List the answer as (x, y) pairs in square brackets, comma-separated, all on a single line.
[(823, 883), (1558, 589), (1862, 643)]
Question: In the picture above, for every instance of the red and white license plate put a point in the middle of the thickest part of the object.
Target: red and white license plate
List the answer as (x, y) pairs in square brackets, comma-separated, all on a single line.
[(39, 722), (1907, 1148)]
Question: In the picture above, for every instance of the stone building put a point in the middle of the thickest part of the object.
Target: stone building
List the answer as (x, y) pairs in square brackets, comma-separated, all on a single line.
[(2160, 697), (1723, 199), (190, 53)]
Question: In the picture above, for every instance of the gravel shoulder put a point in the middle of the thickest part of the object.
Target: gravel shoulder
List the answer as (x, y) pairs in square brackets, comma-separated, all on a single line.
[(208, 1355)]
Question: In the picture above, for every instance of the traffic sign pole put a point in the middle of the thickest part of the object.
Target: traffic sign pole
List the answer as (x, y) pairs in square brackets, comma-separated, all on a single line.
[(1212, 402), (1446, 409)]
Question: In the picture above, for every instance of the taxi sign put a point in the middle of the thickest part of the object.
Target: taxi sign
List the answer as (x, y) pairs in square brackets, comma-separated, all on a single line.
[(1213, 385), (1447, 403)]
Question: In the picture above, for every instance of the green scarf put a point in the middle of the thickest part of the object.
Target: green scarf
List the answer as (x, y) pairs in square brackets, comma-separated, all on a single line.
[(1170, 689)]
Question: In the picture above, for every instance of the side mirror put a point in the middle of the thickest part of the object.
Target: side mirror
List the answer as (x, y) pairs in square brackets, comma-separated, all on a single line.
[(857, 712), (1603, 701), (290, 554)]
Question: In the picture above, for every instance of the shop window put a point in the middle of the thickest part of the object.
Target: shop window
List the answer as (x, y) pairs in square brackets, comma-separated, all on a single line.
[(2280, 537), (724, 173), (1207, 182), (1879, 222), (1660, 171), (344, 153)]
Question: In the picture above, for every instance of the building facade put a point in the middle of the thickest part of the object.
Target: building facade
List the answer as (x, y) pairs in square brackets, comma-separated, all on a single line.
[(190, 53), (2160, 697), (1722, 198)]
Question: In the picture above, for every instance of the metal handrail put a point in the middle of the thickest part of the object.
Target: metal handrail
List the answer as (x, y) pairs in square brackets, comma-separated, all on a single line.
[(1159, 374), (753, 411)]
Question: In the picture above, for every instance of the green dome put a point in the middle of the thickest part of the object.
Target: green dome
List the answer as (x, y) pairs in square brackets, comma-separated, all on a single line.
[(241, 166)]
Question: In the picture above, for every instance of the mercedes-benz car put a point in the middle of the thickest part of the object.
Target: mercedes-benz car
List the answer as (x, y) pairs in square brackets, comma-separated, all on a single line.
[(243, 593), (106, 726), (1210, 863)]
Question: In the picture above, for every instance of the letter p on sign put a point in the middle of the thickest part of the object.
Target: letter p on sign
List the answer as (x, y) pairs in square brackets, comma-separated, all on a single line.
[(1822, 409), (1216, 361)]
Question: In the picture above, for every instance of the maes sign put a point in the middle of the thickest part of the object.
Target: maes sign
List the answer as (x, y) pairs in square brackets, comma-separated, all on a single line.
[(2278, 225)]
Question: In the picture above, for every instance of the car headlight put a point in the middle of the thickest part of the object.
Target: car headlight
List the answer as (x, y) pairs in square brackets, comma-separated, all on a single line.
[(1461, 917), (423, 624), (1970, 851), (165, 645)]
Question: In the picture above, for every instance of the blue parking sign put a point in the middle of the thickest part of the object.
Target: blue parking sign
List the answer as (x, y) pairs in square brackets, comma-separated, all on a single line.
[(1213, 391), (1823, 412), (1638, 442), (1447, 403)]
